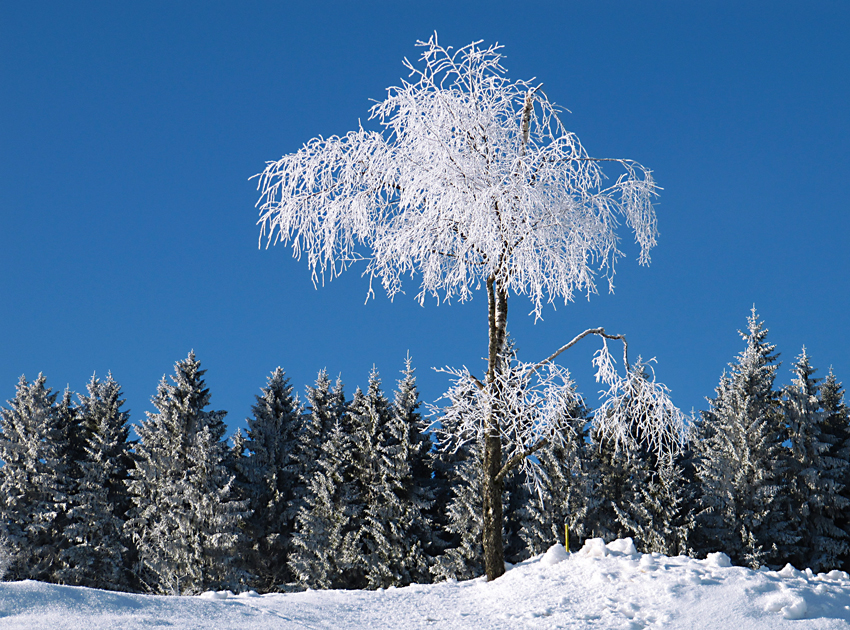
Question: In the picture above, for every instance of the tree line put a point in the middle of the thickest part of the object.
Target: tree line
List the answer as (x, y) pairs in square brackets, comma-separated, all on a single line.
[(338, 492)]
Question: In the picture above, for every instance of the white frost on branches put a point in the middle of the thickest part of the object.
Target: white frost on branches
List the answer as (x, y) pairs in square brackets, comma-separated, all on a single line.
[(471, 176), (532, 406), (533, 402), (636, 409)]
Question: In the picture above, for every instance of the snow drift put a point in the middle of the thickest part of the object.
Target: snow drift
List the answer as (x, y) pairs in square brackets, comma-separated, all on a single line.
[(602, 586)]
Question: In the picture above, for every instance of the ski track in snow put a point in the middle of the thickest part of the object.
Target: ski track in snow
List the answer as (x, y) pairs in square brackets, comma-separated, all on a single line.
[(601, 587)]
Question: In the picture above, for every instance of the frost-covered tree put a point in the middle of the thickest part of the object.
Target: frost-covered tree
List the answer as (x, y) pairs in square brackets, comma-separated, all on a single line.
[(836, 426), (97, 555), (325, 544), (186, 522), (741, 464), (463, 560), (39, 440), (816, 475), (470, 180), (398, 517), (391, 529), (326, 407), (271, 479)]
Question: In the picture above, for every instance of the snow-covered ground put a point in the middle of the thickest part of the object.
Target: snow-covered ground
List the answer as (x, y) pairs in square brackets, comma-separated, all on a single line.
[(602, 586)]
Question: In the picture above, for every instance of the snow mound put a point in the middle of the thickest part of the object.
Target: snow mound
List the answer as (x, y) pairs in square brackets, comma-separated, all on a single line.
[(625, 546), (216, 595), (795, 610), (557, 553), (718, 560), (594, 548), (789, 571), (835, 574)]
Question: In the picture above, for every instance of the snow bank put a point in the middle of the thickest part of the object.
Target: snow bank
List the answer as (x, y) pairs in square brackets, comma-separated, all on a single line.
[(602, 586)]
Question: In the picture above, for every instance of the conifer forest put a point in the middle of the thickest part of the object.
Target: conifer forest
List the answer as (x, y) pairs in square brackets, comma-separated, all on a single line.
[(355, 491)]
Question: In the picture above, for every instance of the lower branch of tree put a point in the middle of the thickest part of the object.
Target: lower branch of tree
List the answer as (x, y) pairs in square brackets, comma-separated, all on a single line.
[(516, 459)]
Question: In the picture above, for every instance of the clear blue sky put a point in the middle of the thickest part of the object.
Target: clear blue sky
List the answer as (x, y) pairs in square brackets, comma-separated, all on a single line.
[(129, 131)]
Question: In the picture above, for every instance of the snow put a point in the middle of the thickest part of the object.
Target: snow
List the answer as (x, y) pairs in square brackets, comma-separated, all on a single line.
[(602, 586)]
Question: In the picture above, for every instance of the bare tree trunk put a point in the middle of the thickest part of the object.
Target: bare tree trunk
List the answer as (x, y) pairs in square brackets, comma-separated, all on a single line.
[(494, 552)]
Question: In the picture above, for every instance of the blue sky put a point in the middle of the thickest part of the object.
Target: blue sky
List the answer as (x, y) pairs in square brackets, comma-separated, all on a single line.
[(130, 131)]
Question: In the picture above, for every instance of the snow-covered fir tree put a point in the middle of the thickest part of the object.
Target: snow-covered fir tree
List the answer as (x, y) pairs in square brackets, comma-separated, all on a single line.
[(658, 516), (836, 420), (97, 555), (38, 442), (271, 480), (326, 407), (186, 521), (740, 461), (836, 425), (325, 546), (816, 475), (325, 485), (464, 559), (392, 527), (418, 449), (614, 478)]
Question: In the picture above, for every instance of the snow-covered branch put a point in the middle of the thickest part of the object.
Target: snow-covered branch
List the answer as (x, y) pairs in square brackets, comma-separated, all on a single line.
[(636, 409), (530, 409), (590, 331), (532, 404)]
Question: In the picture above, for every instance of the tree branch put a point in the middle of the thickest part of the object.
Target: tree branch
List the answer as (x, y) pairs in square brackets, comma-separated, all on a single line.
[(590, 331), (516, 459)]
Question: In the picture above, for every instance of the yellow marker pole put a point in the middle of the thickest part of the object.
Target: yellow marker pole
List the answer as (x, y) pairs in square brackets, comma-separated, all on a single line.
[(567, 536)]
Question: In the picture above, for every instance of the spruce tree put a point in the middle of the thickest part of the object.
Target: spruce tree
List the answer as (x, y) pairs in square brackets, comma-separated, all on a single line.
[(658, 514), (325, 544), (836, 420), (38, 440), (186, 521), (463, 560), (418, 449), (741, 464), (271, 480), (326, 407), (392, 527), (836, 425), (615, 476), (97, 555), (817, 476)]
